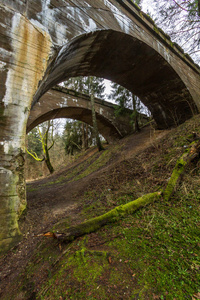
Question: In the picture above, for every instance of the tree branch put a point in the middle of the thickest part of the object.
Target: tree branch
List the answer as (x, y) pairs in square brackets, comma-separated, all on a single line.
[(180, 6), (34, 156), (51, 145)]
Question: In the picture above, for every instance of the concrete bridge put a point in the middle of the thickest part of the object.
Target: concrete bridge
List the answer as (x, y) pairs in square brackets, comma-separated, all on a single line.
[(60, 102), (44, 42)]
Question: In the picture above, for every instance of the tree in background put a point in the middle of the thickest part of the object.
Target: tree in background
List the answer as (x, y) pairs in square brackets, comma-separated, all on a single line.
[(33, 137), (181, 20), (125, 99), (40, 141), (92, 86), (73, 136), (84, 84)]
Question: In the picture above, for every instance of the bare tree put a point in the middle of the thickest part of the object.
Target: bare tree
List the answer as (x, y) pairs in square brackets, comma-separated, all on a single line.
[(181, 20), (45, 137)]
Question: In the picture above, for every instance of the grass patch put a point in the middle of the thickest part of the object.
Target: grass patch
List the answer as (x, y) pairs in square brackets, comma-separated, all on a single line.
[(152, 254)]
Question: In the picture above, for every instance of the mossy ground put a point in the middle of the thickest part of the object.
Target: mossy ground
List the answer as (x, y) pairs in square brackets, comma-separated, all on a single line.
[(151, 254)]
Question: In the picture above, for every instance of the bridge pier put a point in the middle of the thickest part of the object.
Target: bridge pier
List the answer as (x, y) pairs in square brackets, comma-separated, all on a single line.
[(13, 194), (20, 71)]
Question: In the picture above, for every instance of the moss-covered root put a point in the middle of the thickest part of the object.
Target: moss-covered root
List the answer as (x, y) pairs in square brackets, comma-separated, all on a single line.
[(189, 155), (110, 217)]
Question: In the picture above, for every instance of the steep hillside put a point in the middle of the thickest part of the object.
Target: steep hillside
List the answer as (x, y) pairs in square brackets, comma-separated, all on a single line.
[(151, 254)]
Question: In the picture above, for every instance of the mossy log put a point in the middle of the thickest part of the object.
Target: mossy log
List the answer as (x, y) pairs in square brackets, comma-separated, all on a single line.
[(113, 215), (118, 212), (189, 155)]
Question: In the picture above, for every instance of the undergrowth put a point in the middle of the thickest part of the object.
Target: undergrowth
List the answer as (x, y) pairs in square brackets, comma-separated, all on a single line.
[(152, 254)]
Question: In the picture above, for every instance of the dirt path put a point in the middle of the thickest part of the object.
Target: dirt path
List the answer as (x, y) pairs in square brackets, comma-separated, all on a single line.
[(52, 202)]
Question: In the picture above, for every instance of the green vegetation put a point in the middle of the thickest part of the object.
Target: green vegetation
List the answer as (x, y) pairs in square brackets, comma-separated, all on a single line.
[(153, 253), (156, 250), (38, 141)]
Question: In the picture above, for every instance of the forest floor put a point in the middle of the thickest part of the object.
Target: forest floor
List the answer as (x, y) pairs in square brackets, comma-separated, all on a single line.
[(151, 254)]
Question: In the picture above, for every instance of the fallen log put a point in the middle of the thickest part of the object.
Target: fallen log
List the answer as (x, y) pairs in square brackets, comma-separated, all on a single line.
[(188, 156), (113, 215), (118, 212)]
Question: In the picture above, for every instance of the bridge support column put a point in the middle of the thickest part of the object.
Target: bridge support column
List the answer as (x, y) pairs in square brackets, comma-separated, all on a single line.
[(19, 79), (13, 194)]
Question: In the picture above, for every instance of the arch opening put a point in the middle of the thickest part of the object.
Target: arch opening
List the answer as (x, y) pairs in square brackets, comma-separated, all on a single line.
[(108, 130), (129, 62)]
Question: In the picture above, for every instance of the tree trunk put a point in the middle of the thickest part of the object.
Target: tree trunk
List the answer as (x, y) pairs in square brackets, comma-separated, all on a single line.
[(137, 128), (94, 120), (84, 136), (46, 150), (49, 165)]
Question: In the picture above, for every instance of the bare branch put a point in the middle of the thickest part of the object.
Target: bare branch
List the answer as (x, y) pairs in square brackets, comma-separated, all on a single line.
[(34, 155)]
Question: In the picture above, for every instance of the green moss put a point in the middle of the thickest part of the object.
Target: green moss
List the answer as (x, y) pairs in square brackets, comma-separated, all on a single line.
[(136, 6), (157, 251), (164, 34), (188, 57), (156, 29), (178, 170), (178, 47), (160, 31), (113, 215), (149, 19), (77, 276), (99, 162)]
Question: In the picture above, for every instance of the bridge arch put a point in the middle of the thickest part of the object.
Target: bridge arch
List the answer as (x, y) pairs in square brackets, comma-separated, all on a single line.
[(106, 129), (131, 63), (60, 102)]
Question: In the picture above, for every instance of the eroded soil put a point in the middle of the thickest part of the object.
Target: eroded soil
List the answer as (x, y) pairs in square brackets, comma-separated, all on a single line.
[(50, 200)]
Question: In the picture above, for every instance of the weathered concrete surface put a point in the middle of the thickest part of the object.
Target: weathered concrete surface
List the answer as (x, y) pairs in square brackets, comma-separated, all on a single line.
[(44, 42), (149, 75), (23, 54), (61, 102)]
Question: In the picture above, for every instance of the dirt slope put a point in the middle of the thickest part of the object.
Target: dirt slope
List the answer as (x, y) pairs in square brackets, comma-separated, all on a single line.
[(59, 196), (49, 200)]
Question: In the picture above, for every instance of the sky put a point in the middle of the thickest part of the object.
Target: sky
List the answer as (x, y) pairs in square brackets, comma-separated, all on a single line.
[(148, 6)]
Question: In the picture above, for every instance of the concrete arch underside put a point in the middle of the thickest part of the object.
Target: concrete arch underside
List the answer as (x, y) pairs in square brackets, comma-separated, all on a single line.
[(106, 129), (61, 102), (132, 64)]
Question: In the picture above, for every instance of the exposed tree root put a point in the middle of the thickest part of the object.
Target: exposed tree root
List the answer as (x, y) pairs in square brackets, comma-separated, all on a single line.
[(118, 212)]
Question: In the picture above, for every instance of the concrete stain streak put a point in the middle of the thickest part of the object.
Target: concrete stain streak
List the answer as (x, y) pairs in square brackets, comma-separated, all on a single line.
[(28, 61), (30, 58)]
